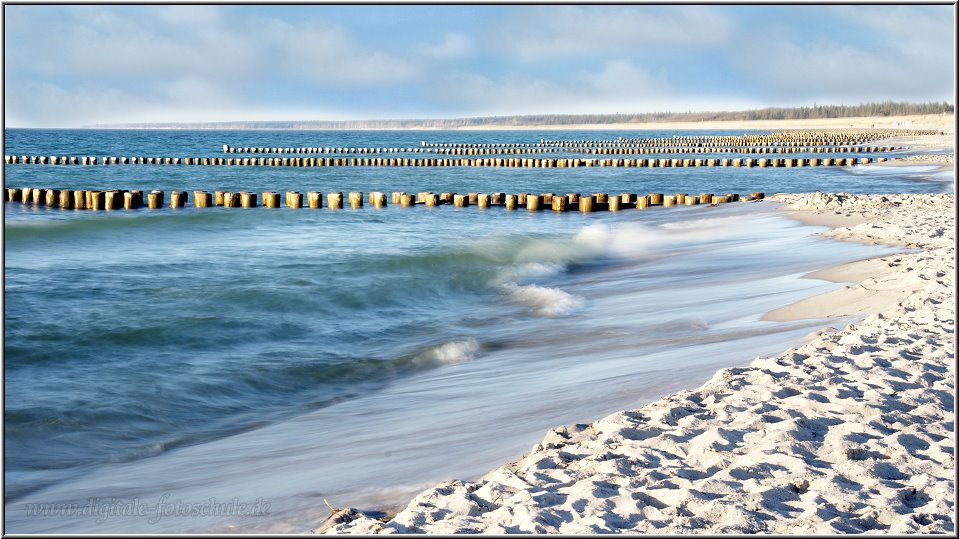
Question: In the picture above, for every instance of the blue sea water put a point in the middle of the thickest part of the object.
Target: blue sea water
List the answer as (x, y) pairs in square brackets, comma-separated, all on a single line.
[(286, 357)]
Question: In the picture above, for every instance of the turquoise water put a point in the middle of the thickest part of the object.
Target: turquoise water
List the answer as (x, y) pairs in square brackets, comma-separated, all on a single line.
[(292, 356)]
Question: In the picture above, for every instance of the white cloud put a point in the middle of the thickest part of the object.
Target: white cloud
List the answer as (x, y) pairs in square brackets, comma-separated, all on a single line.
[(193, 15), (41, 104), (199, 42), (557, 31), (324, 53), (904, 22), (94, 64), (617, 86), (103, 42), (454, 46), (885, 52), (831, 71)]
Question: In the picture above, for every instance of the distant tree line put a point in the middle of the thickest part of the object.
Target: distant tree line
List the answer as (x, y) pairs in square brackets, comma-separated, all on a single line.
[(815, 112)]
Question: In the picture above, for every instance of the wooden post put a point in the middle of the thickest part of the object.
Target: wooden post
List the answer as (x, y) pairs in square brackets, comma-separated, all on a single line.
[(431, 200), (178, 199), (691, 200), (586, 203), (482, 200), (534, 202), (668, 201), (560, 203), (155, 200), (66, 199), (655, 199), (13, 194), (37, 196), (705, 198), (334, 200), (231, 200), (130, 200), (202, 199), (378, 199), (614, 203), (642, 202), (51, 197), (461, 201), (271, 199), (356, 199), (407, 200), (79, 200), (95, 200), (247, 199), (314, 199), (294, 199), (511, 202)]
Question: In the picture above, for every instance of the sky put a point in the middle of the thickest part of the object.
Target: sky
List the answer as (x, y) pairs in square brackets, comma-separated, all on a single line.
[(78, 65)]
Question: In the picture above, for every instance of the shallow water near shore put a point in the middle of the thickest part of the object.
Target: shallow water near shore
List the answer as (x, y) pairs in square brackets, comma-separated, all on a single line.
[(292, 356)]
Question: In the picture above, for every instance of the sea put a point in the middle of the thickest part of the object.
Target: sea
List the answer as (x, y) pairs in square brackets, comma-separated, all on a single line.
[(240, 370)]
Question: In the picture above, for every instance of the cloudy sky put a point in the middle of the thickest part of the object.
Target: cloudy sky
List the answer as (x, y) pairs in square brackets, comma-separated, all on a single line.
[(81, 65)]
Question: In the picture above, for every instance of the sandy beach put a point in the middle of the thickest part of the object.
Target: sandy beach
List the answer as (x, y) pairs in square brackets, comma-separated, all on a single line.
[(851, 432)]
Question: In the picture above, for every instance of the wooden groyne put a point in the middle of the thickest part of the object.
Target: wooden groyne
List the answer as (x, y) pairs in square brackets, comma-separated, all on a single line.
[(116, 199), (783, 138), (511, 162), (820, 148), (468, 149)]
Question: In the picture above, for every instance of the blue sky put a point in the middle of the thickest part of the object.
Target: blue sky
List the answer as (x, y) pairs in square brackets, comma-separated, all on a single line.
[(78, 65)]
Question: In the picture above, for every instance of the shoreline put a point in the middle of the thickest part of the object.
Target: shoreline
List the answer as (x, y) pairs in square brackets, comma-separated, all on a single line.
[(849, 432)]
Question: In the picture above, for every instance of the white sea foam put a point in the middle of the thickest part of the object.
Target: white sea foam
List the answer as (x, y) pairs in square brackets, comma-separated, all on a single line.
[(449, 353), (625, 240), (539, 269), (597, 236), (528, 270), (543, 300)]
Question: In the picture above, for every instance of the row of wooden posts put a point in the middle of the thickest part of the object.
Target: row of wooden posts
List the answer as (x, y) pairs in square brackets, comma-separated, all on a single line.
[(782, 138), (134, 199), (620, 150), (441, 162)]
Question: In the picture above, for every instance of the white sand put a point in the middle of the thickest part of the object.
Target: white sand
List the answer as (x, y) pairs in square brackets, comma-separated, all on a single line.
[(851, 432)]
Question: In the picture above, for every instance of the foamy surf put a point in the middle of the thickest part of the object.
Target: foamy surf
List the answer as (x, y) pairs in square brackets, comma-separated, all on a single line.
[(528, 270), (542, 300), (449, 353), (628, 240)]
